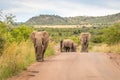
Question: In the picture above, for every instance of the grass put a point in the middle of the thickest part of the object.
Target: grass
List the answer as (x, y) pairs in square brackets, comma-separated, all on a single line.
[(106, 48), (50, 49), (17, 57)]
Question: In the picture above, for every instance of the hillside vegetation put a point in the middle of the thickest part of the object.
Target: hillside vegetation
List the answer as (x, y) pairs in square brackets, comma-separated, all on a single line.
[(78, 20), (17, 51)]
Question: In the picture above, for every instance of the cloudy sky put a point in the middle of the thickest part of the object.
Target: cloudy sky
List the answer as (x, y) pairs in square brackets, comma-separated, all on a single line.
[(25, 9)]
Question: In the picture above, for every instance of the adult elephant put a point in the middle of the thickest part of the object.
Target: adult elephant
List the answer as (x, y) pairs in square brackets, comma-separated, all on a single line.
[(67, 45), (74, 48), (84, 39), (40, 41)]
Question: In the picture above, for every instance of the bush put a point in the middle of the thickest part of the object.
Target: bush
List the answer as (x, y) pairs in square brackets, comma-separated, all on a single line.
[(97, 39), (20, 33), (112, 34), (3, 33), (75, 39)]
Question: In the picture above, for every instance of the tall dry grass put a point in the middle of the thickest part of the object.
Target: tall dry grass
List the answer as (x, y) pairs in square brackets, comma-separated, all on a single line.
[(17, 57), (106, 48)]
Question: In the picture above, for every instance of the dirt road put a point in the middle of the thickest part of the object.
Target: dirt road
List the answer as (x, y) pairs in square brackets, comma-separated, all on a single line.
[(73, 66)]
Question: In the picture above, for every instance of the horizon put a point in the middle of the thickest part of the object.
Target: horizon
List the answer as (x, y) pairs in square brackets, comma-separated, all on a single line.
[(25, 9)]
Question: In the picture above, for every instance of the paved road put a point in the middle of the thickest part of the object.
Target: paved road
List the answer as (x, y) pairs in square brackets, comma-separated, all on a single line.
[(73, 66)]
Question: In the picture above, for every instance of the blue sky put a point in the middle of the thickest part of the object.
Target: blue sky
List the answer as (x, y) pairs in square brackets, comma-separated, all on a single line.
[(25, 9)]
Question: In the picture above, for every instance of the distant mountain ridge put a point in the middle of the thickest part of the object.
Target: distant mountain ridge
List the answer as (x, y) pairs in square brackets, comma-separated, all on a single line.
[(57, 20)]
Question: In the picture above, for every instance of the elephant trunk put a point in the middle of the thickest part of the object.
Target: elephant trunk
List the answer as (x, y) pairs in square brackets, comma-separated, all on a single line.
[(61, 45), (39, 51)]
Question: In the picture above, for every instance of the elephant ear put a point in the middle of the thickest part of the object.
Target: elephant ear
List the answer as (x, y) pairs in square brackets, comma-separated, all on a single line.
[(32, 37), (45, 36)]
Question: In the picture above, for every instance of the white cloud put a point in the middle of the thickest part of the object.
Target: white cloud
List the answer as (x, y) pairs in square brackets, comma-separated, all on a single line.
[(25, 9)]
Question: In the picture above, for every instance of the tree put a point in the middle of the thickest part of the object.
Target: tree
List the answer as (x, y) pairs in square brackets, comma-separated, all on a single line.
[(112, 34), (7, 18), (20, 33), (3, 32)]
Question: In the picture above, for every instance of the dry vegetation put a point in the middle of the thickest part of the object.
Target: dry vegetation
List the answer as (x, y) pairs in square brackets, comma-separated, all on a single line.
[(17, 57), (106, 48), (61, 26)]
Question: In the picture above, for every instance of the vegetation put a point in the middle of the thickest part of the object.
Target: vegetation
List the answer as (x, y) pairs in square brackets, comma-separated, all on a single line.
[(106, 48), (112, 34), (109, 40), (16, 50), (18, 56), (78, 20)]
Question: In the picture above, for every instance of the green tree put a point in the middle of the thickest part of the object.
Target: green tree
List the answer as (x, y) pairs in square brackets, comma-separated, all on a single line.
[(112, 34), (21, 33), (3, 33)]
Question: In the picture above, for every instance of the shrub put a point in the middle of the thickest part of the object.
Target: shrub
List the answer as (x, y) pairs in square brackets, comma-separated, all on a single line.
[(3, 33), (75, 39), (112, 34), (97, 39), (21, 33)]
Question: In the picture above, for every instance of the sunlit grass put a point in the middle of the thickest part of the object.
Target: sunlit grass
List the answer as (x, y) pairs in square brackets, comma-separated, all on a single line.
[(17, 57), (50, 49), (106, 48)]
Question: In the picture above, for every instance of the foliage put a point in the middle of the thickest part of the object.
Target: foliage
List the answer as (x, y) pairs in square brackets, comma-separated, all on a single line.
[(21, 33), (7, 18), (78, 20), (3, 32), (58, 34), (112, 34), (76, 39), (97, 39)]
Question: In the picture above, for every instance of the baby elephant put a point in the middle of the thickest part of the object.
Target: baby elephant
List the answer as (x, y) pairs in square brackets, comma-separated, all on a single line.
[(40, 41), (67, 45)]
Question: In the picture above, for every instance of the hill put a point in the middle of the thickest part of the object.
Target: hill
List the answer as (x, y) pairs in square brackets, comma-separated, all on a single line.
[(78, 20)]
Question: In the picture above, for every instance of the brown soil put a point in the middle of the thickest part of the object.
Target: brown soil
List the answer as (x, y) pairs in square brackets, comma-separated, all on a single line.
[(73, 66)]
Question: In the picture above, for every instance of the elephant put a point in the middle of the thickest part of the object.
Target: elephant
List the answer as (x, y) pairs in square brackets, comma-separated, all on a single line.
[(40, 41), (84, 39), (67, 45), (74, 49)]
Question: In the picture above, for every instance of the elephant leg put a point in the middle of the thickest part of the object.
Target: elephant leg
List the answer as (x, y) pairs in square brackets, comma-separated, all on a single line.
[(36, 52), (69, 49), (86, 47), (43, 54), (39, 55), (82, 48), (66, 49)]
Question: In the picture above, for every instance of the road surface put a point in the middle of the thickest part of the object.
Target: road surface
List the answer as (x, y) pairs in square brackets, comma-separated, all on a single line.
[(73, 66)]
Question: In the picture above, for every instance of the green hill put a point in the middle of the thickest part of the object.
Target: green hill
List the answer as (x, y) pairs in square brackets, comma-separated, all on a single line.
[(57, 20)]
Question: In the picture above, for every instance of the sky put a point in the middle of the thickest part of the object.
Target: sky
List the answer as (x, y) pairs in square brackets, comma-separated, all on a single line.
[(25, 9)]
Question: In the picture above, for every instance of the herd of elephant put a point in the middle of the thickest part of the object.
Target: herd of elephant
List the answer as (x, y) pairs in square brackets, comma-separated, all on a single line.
[(41, 40)]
